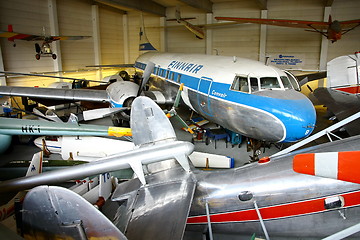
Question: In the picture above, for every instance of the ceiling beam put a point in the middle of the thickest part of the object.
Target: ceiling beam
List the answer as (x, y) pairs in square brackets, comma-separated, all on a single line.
[(203, 5), (108, 7), (140, 5), (262, 4), (328, 3)]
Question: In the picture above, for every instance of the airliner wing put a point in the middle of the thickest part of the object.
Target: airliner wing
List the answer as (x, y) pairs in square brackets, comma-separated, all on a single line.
[(56, 93), (279, 22)]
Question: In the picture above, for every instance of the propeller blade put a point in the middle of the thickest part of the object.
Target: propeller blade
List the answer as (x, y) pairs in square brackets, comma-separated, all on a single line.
[(146, 75)]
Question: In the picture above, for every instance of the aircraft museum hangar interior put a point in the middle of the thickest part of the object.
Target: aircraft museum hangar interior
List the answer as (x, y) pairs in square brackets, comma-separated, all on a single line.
[(179, 119)]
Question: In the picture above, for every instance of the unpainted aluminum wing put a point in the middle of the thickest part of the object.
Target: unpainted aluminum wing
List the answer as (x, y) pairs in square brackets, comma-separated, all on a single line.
[(56, 93)]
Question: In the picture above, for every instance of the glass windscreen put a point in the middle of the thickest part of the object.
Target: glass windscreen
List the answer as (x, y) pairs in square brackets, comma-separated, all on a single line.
[(286, 82), (269, 83)]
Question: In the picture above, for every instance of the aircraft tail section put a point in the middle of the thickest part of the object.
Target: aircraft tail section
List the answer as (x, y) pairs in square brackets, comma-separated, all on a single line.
[(35, 164), (35, 168), (144, 118), (145, 44)]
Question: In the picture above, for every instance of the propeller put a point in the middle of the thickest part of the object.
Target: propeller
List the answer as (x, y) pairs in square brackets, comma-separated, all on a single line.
[(172, 112), (146, 75)]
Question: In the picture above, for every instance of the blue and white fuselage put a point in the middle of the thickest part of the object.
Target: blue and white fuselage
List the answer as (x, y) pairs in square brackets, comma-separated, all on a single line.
[(242, 95)]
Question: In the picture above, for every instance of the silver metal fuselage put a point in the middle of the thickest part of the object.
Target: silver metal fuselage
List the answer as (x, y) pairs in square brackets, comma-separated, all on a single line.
[(291, 204)]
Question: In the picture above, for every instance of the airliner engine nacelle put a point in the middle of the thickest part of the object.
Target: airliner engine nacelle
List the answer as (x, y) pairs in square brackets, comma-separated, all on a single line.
[(122, 94)]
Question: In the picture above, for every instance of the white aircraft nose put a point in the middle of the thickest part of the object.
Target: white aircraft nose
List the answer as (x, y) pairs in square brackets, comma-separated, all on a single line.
[(38, 142)]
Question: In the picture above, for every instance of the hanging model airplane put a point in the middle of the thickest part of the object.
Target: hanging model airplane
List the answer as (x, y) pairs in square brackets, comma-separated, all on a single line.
[(267, 198), (198, 31), (43, 50), (332, 30)]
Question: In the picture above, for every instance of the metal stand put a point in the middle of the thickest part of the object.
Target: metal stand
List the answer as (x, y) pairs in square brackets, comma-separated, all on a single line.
[(261, 221), (208, 220)]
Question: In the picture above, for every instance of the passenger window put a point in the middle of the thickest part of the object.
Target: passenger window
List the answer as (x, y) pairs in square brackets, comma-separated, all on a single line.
[(171, 77), (269, 83), (240, 84), (178, 79)]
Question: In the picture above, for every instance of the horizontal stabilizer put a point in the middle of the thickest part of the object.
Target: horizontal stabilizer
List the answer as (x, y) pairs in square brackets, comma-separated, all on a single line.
[(337, 165)]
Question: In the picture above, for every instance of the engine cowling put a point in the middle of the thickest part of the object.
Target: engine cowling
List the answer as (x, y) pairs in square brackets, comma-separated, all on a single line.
[(122, 94)]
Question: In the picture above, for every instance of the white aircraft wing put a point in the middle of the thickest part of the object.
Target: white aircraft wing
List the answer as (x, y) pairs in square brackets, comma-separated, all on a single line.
[(56, 93)]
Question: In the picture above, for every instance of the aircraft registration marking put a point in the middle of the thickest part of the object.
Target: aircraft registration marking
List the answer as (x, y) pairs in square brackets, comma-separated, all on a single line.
[(292, 209), (30, 129)]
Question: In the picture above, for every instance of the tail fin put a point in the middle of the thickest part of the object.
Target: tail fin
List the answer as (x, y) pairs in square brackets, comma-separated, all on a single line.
[(145, 44), (35, 168), (35, 164)]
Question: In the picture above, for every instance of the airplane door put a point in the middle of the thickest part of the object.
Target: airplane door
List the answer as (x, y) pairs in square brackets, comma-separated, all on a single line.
[(203, 93)]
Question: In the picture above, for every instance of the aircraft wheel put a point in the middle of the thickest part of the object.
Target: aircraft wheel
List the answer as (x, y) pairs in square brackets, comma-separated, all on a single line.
[(207, 141), (37, 48), (54, 56), (37, 56)]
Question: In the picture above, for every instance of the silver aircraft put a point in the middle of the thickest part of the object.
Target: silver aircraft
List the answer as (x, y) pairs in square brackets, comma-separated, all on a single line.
[(267, 198)]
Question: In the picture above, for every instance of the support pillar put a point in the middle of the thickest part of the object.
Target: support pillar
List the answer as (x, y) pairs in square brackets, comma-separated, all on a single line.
[(54, 31)]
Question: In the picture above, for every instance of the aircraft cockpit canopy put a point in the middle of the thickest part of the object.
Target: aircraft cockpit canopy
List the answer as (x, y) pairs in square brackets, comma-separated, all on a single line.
[(253, 84)]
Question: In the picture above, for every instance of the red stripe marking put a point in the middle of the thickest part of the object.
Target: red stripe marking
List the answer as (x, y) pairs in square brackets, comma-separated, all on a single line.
[(348, 166), (352, 90), (304, 163), (277, 211)]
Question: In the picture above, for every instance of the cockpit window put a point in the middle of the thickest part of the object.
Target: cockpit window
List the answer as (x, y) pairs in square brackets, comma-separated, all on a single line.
[(254, 84), (286, 82), (269, 83), (240, 84)]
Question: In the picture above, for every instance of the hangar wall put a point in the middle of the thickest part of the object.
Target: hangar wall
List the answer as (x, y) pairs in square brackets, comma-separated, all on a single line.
[(119, 34)]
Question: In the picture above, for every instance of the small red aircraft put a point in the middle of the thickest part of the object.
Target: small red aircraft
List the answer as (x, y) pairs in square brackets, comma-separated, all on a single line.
[(332, 30), (45, 49)]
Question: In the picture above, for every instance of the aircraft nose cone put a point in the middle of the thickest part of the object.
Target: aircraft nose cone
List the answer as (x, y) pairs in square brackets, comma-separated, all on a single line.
[(300, 120), (38, 142)]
